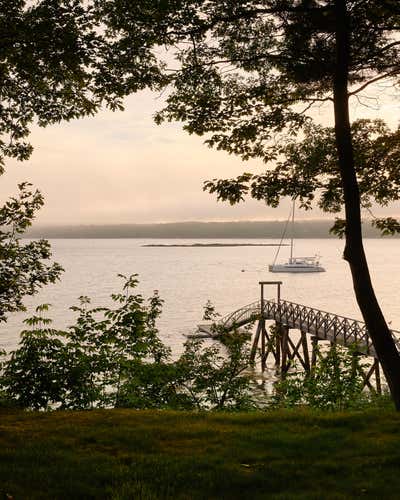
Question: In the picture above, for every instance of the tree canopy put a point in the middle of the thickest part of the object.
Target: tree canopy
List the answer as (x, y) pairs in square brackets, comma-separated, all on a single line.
[(23, 267), (307, 169), (56, 64), (247, 75)]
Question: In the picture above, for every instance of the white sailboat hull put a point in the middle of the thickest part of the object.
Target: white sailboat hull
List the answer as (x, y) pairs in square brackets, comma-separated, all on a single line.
[(294, 268), (296, 264)]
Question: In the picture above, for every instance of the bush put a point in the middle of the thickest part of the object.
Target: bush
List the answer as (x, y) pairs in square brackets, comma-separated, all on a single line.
[(113, 357), (335, 383)]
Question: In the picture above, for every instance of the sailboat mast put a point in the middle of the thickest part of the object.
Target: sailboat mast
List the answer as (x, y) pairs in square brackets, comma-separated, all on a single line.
[(292, 235)]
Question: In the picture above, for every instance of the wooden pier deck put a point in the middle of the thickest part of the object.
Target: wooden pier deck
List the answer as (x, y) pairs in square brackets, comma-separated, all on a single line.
[(318, 324), (324, 325)]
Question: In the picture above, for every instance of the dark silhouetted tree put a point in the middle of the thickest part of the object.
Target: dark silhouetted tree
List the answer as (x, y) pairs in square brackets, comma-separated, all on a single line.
[(23, 267)]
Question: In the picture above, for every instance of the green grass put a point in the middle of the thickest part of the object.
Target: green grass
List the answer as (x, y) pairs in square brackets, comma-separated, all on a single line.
[(123, 454)]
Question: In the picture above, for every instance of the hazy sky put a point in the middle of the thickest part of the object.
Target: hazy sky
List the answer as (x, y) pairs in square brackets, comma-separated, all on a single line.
[(122, 168)]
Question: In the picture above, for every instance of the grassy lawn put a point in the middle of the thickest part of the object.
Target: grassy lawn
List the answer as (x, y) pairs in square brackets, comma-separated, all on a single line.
[(120, 454)]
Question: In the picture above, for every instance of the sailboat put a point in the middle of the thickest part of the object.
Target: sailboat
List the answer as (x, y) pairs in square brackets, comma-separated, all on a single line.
[(295, 264)]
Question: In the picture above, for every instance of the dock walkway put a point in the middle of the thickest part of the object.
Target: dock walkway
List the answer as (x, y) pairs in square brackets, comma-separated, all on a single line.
[(318, 324)]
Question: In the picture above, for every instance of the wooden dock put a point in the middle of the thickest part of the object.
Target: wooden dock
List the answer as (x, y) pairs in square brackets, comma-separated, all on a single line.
[(313, 325)]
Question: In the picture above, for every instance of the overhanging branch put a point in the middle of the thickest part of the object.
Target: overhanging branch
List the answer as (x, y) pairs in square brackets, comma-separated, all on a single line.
[(374, 80)]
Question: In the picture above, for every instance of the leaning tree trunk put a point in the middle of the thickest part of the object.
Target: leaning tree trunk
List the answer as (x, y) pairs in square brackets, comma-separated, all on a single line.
[(354, 251)]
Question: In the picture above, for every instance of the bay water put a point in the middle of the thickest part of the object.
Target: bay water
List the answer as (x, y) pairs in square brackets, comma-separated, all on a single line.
[(186, 277)]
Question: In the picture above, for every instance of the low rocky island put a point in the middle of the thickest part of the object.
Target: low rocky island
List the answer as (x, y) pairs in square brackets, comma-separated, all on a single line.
[(201, 245)]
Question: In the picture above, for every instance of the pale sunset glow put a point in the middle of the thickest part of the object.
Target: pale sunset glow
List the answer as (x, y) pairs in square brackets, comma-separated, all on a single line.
[(119, 168)]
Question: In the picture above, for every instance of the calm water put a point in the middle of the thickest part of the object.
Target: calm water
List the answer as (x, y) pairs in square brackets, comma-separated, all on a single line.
[(187, 277)]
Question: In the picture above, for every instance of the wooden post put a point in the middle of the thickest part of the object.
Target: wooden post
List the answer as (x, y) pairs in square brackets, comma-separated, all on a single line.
[(378, 377), (278, 293), (262, 321), (306, 355), (263, 356), (314, 343), (255, 343), (277, 341), (285, 348), (264, 334)]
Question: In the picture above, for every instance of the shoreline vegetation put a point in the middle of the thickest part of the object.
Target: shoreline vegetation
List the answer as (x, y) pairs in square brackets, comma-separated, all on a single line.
[(146, 454), (195, 230)]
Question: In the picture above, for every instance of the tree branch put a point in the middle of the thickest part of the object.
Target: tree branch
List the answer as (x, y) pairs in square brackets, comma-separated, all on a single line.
[(250, 14), (374, 80)]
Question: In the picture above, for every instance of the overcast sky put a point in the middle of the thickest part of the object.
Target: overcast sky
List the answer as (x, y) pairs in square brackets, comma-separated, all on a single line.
[(122, 168)]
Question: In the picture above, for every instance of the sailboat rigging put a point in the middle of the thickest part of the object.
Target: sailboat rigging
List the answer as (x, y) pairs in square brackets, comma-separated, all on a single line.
[(295, 264)]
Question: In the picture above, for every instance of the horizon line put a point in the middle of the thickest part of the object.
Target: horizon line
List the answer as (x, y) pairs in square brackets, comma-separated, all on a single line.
[(220, 221)]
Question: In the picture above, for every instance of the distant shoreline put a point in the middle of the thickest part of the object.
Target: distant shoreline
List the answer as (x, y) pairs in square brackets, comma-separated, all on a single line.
[(246, 230), (202, 245)]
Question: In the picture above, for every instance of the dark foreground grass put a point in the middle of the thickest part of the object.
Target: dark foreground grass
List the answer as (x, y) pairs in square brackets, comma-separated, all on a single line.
[(122, 454)]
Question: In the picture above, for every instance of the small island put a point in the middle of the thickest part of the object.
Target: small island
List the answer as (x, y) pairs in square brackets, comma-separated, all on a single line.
[(204, 245)]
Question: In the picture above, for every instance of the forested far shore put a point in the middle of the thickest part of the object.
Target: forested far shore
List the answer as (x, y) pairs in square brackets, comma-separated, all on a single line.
[(234, 229)]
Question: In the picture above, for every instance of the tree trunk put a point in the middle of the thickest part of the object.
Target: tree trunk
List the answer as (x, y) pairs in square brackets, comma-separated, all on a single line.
[(354, 251)]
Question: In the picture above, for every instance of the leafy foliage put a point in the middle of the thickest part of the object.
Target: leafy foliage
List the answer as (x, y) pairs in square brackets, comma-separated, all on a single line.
[(84, 365), (113, 357), (58, 63), (307, 169), (388, 226), (215, 379), (335, 383), (246, 76), (23, 269), (32, 376)]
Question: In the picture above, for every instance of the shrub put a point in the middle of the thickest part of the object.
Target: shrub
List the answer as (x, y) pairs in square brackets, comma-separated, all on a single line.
[(113, 357), (335, 383)]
